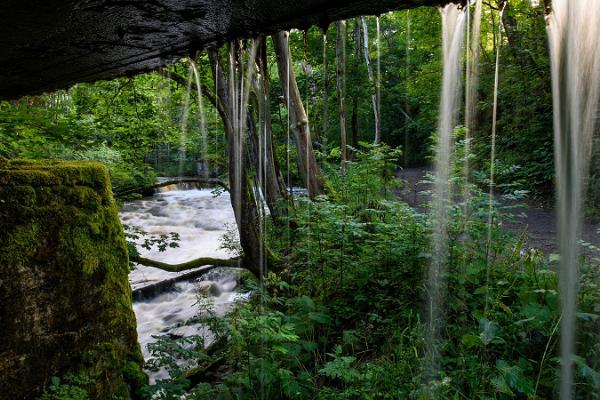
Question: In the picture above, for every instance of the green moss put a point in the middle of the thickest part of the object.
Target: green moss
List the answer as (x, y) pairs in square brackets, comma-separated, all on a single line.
[(63, 268)]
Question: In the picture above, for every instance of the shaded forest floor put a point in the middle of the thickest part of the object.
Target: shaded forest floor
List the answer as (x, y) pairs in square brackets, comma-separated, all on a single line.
[(539, 220)]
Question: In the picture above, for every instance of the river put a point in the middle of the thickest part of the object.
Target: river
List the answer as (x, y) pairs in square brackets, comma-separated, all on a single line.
[(171, 308)]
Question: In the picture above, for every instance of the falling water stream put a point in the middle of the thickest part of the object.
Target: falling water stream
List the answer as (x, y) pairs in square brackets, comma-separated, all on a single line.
[(203, 130), (378, 84), (453, 24), (471, 86), (493, 152), (406, 89), (201, 220), (574, 31), (184, 123)]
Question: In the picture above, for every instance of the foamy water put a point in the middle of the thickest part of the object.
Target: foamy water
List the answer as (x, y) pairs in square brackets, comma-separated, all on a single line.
[(197, 216), (201, 220)]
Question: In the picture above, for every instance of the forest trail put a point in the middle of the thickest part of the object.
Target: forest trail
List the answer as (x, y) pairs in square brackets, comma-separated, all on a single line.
[(537, 219)]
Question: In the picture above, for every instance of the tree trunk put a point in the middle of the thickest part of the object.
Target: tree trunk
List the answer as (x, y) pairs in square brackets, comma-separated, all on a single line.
[(270, 178), (357, 51), (231, 99), (340, 58), (374, 97), (307, 163)]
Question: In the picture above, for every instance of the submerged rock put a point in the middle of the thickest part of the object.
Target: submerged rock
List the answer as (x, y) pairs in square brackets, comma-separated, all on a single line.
[(65, 301)]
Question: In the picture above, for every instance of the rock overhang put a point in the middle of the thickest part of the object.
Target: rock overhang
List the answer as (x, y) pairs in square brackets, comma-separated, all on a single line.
[(46, 46)]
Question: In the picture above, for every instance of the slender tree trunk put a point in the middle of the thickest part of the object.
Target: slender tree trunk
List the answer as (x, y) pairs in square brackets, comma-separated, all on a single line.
[(357, 51), (307, 163), (270, 179), (340, 58), (374, 97), (230, 102)]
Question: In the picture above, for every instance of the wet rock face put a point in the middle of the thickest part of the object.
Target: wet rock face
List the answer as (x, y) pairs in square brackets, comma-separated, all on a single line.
[(65, 300), (54, 44)]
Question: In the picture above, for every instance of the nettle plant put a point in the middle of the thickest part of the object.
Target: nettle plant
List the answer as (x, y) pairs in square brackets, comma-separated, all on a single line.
[(264, 347)]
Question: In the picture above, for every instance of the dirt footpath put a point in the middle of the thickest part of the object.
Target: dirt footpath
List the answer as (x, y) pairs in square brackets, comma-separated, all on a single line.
[(538, 221)]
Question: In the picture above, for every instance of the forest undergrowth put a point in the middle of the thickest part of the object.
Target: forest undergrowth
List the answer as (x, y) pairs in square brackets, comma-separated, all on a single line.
[(344, 318)]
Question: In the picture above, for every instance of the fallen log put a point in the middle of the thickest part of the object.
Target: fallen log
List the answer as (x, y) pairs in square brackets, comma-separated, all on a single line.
[(150, 189), (198, 262), (154, 289)]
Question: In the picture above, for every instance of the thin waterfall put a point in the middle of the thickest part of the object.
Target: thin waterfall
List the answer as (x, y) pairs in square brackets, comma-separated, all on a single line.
[(234, 94), (406, 76), (288, 139), (493, 153), (164, 97), (184, 122), (378, 85), (262, 175), (203, 131), (307, 76), (471, 86), (573, 29), (239, 91), (224, 137), (453, 24), (261, 182)]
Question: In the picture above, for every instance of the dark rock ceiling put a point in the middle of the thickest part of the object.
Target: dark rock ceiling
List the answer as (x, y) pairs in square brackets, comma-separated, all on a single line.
[(47, 45)]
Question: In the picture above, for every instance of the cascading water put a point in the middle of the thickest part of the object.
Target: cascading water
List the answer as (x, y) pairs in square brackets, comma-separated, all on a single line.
[(201, 220), (184, 123), (239, 92), (406, 78), (453, 24), (574, 32), (203, 130), (378, 84), (307, 75), (493, 152), (471, 86)]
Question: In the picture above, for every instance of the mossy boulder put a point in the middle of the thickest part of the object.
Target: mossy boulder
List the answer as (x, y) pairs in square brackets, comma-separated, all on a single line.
[(65, 301)]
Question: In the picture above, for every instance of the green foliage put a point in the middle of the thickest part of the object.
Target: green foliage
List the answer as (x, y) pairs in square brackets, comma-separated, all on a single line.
[(265, 351), (342, 321), (133, 125), (73, 388), (136, 236)]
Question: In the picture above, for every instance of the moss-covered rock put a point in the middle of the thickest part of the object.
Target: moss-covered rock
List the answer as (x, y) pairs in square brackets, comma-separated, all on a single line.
[(65, 301)]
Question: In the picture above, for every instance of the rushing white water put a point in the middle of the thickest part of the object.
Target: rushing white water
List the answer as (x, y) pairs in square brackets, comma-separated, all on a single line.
[(196, 215), (453, 24), (574, 30), (201, 220)]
